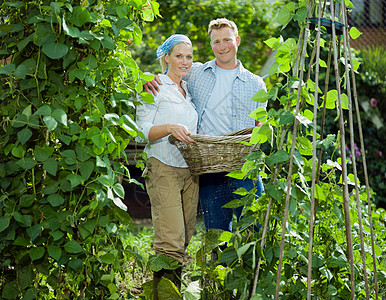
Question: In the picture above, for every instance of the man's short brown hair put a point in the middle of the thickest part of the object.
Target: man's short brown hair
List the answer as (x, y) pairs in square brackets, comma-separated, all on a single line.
[(221, 23)]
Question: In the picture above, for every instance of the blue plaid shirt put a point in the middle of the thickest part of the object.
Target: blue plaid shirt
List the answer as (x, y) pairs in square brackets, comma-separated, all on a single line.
[(201, 80)]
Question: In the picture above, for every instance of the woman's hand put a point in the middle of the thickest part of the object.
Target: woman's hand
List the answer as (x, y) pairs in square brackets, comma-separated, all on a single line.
[(181, 133)]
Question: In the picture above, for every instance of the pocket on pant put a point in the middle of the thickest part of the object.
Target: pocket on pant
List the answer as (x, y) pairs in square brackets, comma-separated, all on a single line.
[(158, 195)]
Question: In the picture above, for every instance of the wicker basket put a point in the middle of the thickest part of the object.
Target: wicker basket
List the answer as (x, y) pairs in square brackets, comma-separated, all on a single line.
[(214, 154)]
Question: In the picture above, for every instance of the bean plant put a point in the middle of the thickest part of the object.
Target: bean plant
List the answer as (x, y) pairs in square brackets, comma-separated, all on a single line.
[(68, 83)]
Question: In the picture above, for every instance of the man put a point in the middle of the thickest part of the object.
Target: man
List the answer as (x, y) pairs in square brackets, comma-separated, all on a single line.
[(221, 90)]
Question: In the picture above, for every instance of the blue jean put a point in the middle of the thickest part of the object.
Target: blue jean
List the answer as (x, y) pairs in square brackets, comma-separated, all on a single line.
[(215, 191)]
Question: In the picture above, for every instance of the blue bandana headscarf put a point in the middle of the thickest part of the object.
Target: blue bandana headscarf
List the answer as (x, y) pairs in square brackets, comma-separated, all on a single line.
[(170, 42)]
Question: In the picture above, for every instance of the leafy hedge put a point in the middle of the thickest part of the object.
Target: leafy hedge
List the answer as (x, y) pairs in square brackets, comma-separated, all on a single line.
[(66, 117), (253, 18)]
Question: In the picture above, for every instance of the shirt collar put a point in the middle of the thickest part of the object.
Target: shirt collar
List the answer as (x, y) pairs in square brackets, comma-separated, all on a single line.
[(167, 80), (241, 74)]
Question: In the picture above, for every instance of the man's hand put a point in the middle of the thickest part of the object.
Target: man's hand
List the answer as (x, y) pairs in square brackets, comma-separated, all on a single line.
[(152, 86)]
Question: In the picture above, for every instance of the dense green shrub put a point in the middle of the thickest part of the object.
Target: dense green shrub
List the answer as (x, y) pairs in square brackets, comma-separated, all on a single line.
[(371, 87), (67, 89), (190, 17)]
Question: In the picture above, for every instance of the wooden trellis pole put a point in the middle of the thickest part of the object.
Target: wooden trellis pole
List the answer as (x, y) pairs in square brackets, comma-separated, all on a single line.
[(291, 160), (351, 126), (363, 160), (298, 71), (346, 206), (312, 213)]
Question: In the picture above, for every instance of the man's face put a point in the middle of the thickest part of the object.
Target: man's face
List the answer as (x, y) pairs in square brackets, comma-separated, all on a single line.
[(224, 45)]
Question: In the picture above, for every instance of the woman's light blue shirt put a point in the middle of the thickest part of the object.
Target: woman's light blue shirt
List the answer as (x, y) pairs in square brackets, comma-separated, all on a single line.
[(169, 106)]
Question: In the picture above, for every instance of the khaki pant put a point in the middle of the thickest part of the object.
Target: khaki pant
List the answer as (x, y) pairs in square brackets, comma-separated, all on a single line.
[(173, 195)]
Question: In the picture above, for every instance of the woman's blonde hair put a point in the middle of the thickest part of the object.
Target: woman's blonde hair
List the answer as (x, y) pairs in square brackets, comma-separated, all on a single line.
[(162, 60), (221, 23)]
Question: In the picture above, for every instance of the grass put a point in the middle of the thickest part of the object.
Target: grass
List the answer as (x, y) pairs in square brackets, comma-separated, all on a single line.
[(138, 237)]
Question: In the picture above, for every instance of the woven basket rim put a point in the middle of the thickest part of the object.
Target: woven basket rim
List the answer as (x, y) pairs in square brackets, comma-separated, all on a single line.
[(242, 135)]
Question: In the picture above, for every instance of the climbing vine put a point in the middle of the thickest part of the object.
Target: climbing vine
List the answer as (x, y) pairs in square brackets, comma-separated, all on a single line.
[(67, 90)]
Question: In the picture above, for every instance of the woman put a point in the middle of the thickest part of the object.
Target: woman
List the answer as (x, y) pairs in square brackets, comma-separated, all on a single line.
[(172, 190)]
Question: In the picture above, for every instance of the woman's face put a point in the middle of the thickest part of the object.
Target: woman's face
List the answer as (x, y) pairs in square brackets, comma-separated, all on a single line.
[(179, 60)]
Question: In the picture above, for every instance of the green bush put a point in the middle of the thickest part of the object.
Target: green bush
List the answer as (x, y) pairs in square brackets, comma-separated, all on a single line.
[(253, 18), (371, 87), (66, 115)]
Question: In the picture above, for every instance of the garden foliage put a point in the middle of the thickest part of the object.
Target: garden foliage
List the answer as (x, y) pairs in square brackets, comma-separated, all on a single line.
[(233, 276), (253, 18), (67, 87)]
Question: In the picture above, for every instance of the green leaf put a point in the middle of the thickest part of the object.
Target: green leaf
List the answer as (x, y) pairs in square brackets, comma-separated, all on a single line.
[(80, 15), (50, 188), (75, 179), (26, 276), (19, 121), (44, 110), (55, 200), (118, 202), (75, 264), (41, 153), (123, 216), (51, 166), (34, 231), (322, 63), (304, 120), (108, 258), (326, 272), (7, 69), (55, 50), (55, 252), (50, 123), (26, 163), (56, 235), (4, 223), (317, 260), (24, 135), (10, 290), (26, 200), (273, 42), (69, 157), (277, 157), (274, 191), (86, 169), (234, 204), (36, 253), (331, 290), (99, 141), (21, 241), (147, 97), (119, 191), (284, 16), (107, 42), (261, 96), (258, 113), (60, 116), (27, 67), (305, 146), (354, 33), (286, 117), (158, 262), (301, 14), (319, 193), (73, 247), (55, 8), (244, 248)]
